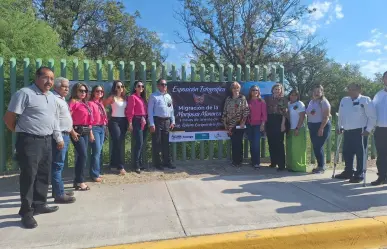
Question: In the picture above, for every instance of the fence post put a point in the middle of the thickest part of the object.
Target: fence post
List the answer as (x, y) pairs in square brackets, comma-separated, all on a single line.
[(174, 145), (230, 69), (132, 76), (3, 151), (75, 70), (99, 79), (38, 63), (13, 90), (63, 71), (202, 79), (220, 142), (144, 149), (51, 64), (373, 148), (153, 73), (183, 144), (193, 144), (26, 71), (110, 79), (211, 143)]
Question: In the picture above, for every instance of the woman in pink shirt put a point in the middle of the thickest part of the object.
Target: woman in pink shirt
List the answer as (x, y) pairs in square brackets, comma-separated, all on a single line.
[(136, 113), (99, 124), (82, 116), (256, 123)]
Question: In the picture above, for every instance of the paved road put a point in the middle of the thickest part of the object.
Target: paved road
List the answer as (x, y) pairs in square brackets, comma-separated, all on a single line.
[(109, 215)]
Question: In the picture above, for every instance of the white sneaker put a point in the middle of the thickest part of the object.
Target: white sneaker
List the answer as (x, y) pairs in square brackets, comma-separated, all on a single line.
[(257, 166)]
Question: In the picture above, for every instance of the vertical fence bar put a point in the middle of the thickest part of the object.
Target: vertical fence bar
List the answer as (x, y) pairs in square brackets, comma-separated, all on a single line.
[(256, 73), (193, 144), (3, 151), (75, 70), (373, 148), (211, 143), (63, 68), (51, 64), (132, 74), (121, 68), (230, 69), (153, 73), (110, 79), (121, 75), (86, 78), (26, 71), (144, 149), (174, 145), (264, 78), (247, 73), (245, 142), (202, 79), (99, 79), (273, 74), (184, 144), (220, 142), (38, 63), (164, 71), (13, 90)]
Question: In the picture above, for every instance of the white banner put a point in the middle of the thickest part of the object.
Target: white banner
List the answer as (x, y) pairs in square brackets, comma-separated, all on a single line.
[(181, 136)]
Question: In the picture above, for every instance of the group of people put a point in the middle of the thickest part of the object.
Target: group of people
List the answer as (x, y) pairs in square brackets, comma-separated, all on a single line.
[(45, 123), (278, 116)]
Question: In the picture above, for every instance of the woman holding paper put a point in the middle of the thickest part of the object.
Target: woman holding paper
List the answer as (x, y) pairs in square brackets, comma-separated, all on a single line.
[(256, 123), (275, 126), (296, 138), (235, 113), (136, 113)]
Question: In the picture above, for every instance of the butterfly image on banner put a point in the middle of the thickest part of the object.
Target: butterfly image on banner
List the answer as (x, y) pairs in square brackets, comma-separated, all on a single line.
[(198, 99)]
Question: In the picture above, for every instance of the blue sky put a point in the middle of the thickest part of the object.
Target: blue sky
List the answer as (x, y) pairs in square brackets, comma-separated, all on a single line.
[(355, 30)]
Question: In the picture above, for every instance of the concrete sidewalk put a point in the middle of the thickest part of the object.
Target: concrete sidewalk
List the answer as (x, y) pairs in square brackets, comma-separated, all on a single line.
[(118, 214)]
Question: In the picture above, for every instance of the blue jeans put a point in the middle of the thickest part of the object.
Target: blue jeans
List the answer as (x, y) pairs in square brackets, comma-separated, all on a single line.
[(96, 149), (254, 134), (81, 156), (318, 142), (118, 126), (139, 138), (58, 161)]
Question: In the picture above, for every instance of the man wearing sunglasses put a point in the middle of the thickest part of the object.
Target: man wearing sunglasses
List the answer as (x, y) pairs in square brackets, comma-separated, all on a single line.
[(161, 121), (357, 117)]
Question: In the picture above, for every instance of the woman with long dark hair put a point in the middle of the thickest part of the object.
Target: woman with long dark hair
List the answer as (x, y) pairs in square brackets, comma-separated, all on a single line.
[(256, 123), (319, 112), (82, 116), (118, 124), (275, 126), (136, 113), (295, 139), (99, 124)]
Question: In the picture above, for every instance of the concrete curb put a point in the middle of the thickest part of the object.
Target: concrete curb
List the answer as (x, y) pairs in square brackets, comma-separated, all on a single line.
[(362, 233)]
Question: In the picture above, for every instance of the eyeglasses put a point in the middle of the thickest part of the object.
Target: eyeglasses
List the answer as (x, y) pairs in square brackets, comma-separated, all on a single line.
[(255, 90), (119, 87), (140, 86), (236, 88), (99, 91), (163, 84), (82, 91)]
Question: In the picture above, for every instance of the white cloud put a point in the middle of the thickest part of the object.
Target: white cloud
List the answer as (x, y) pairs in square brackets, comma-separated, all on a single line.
[(168, 45), (376, 51), (322, 9), (385, 47), (368, 44), (369, 68), (339, 11)]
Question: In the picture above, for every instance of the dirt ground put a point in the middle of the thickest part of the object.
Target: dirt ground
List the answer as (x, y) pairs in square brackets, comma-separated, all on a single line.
[(187, 169)]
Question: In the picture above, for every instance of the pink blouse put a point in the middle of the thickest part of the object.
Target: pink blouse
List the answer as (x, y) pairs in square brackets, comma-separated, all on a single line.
[(136, 106), (81, 113), (99, 113), (258, 112)]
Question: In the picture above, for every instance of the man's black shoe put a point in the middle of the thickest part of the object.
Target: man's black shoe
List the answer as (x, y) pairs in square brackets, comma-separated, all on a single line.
[(137, 170), (379, 181), (68, 193), (65, 199), (45, 209), (29, 222), (343, 176), (356, 179), (159, 167)]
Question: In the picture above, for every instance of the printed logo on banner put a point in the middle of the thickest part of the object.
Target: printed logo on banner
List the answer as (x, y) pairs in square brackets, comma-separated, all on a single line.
[(202, 136)]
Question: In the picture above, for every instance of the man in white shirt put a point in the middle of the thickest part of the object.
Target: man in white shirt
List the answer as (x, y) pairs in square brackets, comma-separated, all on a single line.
[(357, 118), (380, 103)]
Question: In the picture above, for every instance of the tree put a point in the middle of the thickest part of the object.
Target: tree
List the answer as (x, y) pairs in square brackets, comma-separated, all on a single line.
[(22, 35), (245, 32)]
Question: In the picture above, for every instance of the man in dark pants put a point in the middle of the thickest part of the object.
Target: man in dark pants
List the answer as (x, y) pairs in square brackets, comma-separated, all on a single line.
[(380, 103), (161, 120), (32, 114), (357, 118)]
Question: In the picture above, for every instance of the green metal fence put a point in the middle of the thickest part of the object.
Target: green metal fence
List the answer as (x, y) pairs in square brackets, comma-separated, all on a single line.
[(203, 150)]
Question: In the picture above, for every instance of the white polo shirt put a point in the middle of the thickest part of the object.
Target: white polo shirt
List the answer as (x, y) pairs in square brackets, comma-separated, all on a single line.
[(357, 113), (380, 103)]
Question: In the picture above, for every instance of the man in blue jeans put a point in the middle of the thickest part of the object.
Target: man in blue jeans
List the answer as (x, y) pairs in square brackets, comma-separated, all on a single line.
[(61, 89)]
